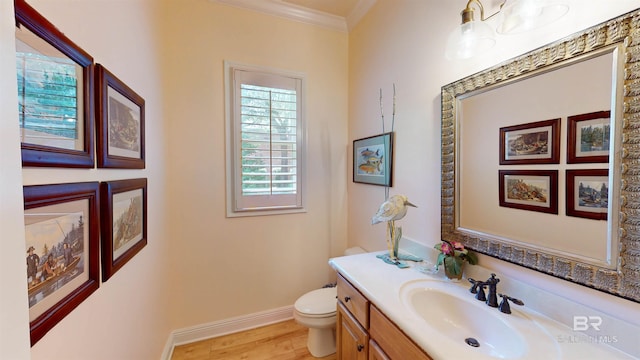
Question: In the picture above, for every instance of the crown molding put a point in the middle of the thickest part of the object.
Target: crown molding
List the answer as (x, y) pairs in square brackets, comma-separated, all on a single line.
[(359, 12), (304, 14), (290, 11)]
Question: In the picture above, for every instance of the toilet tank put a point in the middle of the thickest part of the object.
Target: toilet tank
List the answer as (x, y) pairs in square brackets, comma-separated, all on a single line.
[(354, 251)]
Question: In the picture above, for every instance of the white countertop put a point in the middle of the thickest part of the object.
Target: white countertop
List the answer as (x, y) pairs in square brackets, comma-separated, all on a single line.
[(381, 283)]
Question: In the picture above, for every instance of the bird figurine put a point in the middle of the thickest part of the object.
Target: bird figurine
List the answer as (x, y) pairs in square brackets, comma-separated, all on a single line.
[(395, 208)]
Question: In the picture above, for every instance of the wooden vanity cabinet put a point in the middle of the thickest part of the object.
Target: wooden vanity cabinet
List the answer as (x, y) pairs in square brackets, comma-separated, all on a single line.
[(394, 343), (375, 353), (352, 340), (364, 333), (352, 337), (354, 301)]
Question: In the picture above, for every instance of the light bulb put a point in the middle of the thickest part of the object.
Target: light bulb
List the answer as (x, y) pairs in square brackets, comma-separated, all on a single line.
[(523, 15), (470, 39)]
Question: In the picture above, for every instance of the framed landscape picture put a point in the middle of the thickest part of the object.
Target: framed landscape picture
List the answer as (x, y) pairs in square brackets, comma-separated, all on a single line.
[(62, 250), (124, 222), (372, 159), (533, 190), (588, 193), (121, 141), (588, 137), (532, 143), (55, 94)]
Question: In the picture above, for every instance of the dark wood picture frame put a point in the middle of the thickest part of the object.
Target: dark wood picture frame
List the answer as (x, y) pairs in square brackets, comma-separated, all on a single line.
[(120, 114), (123, 206), (373, 160), (50, 155), (579, 197), (528, 187), (62, 224), (532, 151), (577, 154)]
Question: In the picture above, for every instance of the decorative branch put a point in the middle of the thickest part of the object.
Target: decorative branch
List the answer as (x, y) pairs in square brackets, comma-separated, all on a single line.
[(393, 116), (381, 110)]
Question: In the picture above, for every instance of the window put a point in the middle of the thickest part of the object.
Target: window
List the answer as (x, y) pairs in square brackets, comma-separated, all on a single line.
[(265, 141)]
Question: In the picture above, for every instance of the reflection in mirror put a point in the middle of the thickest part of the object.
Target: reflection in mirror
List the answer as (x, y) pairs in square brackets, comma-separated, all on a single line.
[(506, 163), (583, 86)]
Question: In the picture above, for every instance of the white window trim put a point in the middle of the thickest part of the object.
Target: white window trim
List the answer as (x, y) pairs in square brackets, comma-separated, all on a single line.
[(232, 156)]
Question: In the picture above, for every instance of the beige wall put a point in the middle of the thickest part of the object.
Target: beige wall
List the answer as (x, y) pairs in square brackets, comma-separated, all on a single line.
[(14, 316), (402, 42), (199, 266), (225, 267)]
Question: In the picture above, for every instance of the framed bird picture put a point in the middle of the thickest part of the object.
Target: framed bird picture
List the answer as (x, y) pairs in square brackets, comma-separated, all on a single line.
[(372, 160)]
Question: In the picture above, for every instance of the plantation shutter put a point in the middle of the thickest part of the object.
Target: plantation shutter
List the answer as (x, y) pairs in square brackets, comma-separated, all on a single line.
[(267, 141)]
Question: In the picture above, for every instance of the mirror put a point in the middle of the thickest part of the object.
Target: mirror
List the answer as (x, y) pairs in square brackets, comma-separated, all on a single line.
[(541, 157)]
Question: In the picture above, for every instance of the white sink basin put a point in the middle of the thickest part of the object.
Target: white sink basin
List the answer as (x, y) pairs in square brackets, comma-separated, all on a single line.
[(454, 314)]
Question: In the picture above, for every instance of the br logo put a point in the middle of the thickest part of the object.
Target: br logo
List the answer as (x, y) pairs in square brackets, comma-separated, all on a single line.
[(583, 323)]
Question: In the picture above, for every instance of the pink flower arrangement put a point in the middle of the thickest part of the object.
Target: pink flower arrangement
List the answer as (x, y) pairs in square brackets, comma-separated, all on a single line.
[(453, 255), (448, 248)]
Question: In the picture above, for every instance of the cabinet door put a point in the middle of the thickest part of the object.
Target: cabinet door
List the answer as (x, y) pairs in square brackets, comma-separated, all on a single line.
[(391, 339), (375, 353), (352, 339)]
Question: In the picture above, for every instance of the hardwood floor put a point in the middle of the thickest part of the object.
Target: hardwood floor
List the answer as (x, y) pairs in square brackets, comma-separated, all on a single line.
[(281, 341)]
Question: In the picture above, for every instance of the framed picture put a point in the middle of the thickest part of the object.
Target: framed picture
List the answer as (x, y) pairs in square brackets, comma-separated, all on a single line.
[(372, 159), (533, 190), (120, 114), (62, 250), (532, 143), (588, 193), (55, 94), (588, 137), (124, 222)]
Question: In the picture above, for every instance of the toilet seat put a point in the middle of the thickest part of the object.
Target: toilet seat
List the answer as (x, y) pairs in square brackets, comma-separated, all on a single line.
[(317, 303)]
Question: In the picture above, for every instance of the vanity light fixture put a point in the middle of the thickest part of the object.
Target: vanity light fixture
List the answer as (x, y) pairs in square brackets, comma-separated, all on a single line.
[(473, 37)]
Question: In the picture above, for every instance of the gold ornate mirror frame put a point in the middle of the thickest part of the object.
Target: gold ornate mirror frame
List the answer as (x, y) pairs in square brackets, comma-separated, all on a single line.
[(624, 281)]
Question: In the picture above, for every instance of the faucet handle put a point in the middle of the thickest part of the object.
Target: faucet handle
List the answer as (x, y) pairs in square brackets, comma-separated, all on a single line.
[(516, 301), (504, 304), (474, 285), (481, 295)]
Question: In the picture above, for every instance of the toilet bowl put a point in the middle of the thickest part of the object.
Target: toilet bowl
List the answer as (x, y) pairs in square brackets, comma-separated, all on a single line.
[(317, 311)]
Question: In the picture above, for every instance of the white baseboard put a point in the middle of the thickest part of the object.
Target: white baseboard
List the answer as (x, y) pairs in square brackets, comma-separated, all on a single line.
[(224, 327)]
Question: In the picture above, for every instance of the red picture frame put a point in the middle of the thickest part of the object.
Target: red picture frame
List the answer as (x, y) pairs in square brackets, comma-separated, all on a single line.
[(62, 229), (120, 117), (588, 193), (47, 153), (124, 222), (533, 190), (584, 149), (531, 143)]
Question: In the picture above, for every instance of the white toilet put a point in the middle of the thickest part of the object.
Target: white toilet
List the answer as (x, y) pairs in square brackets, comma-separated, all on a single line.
[(317, 311)]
